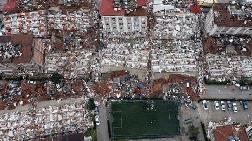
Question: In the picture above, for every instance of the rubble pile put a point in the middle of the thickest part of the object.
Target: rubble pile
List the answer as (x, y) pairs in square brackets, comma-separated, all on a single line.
[(9, 50), (20, 93), (176, 26), (70, 63), (176, 56), (229, 44), (34, 22), (121, 84), (67, 118), (125, 55), (68, 20), (224, 67)]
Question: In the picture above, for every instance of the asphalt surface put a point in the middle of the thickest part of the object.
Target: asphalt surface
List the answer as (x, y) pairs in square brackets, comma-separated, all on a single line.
[(226, 92), (242, 116), (102, 129)]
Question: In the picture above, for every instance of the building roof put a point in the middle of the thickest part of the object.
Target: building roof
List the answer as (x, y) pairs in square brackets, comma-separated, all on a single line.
[(25, 41), (223, 133), (107, 9), (138, 12), (142, 2), (222, 17), (217, 45), (10, 6)]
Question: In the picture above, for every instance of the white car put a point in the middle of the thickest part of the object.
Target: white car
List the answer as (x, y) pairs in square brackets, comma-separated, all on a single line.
[(235, 108), (205, 106), (97, 120), (97, 103), (217, 105), (223, 106)]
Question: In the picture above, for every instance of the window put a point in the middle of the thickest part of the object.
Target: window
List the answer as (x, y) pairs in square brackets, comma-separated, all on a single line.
[(113, 19)]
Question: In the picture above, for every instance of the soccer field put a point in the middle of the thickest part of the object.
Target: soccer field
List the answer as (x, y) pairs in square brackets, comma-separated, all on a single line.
[(144, 119)]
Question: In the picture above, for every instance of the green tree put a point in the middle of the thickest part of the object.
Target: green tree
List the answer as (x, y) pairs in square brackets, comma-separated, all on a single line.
[(91, 132), (90, 104), (56, 78), (193, 133)]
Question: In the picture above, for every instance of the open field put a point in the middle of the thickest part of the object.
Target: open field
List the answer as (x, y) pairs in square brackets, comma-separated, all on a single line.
[(144, 119)]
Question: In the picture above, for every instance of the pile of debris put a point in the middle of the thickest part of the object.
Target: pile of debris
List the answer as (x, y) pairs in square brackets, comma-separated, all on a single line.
[(34, 22), (174, 56), (69, 20), (125, 54), (40, 122), (70, 64), (9, 50)]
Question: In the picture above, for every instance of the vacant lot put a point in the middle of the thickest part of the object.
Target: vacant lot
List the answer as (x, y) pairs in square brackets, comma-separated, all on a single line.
[(144, 119)]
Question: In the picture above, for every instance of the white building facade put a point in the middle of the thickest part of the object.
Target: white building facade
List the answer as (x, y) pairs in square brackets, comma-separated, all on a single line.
[(124, 24)]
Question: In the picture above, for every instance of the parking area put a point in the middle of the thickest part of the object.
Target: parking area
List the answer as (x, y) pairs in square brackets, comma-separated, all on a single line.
[(211, 113), (226, 92)]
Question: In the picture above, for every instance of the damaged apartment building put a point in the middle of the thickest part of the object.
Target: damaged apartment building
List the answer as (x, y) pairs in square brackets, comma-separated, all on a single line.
[(124, 16), (231, 18), (21, 53)]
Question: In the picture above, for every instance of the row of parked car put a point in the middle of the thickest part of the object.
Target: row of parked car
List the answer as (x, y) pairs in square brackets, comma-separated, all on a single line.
[(226, 105), (96, 112)]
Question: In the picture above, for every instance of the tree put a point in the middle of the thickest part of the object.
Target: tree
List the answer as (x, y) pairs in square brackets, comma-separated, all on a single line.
[(193, 133), (90, 104), (56, 78), (91, 132)]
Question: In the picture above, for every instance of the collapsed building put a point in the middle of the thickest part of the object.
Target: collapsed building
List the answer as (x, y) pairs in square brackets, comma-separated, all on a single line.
[(232, 18), (228, 57), (21, 53), (227, 131), (175, 34)]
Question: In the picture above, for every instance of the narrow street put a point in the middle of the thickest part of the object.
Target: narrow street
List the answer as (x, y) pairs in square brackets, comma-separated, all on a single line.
[(102, 129)]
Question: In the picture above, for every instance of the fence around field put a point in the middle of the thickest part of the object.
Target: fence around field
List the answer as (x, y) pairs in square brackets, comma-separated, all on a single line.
[(135, 119)]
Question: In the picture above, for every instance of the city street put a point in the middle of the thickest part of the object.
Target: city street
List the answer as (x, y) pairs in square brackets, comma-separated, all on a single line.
[(102, 129), (226, 92)]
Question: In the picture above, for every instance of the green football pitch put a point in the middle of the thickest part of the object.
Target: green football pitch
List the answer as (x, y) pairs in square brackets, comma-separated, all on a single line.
[(144, 119)]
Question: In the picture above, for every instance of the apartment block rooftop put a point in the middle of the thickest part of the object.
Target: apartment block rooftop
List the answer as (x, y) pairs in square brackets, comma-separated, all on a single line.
[(123, 7), (233, 14), (16, 48), (230, 133)]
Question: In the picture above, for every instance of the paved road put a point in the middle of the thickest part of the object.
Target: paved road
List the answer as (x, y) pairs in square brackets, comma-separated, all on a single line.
[(102, 129), (188, 113), (226, 92)]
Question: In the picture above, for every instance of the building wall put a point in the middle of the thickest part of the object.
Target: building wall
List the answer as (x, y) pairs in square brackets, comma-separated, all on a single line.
[(212, 29), (31, 22), (38, 52), (124, 24)]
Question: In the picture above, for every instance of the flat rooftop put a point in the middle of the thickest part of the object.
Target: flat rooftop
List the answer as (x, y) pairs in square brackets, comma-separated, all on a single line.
[(25, 41), (223, 133), (107, 9), (217, 45), (223, 17)]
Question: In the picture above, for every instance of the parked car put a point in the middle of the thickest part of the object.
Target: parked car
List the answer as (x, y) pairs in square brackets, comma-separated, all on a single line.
[(193, 106), (205, 106), (97, 120), (96, 111), (217, 105), (223, 106), (235, 108), (229, 105), (245, 105), (97, 103)]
